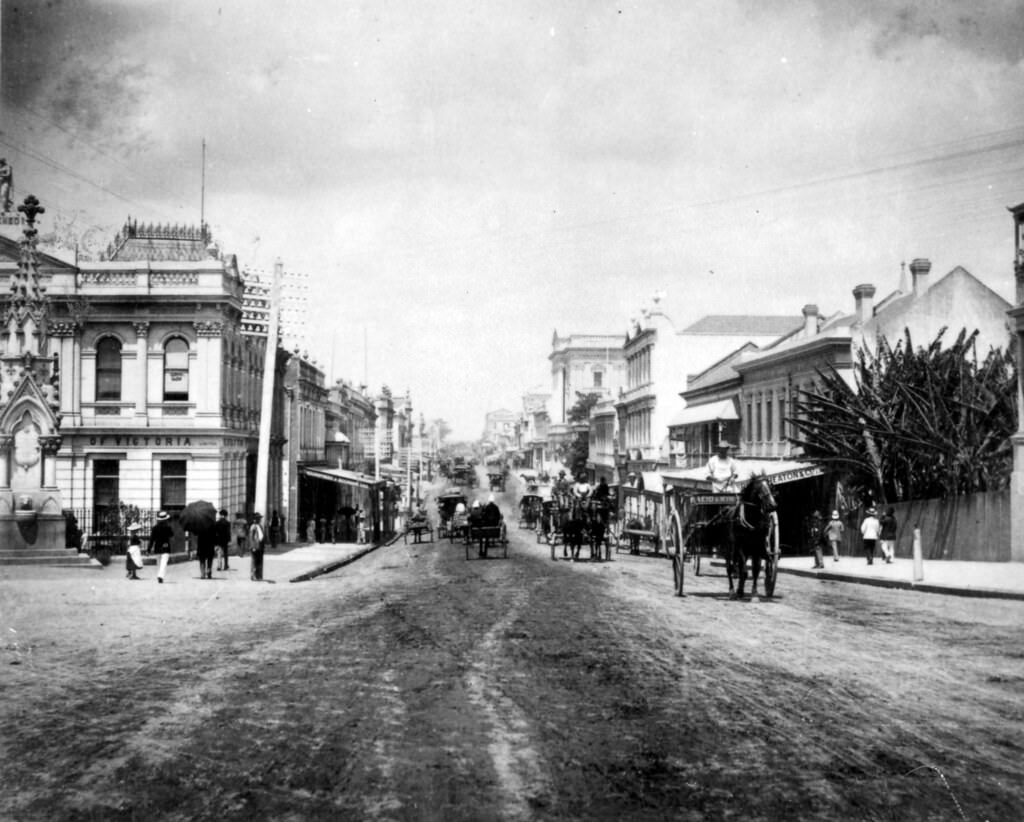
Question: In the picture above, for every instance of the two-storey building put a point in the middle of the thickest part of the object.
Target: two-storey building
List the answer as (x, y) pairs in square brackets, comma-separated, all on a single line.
[(159, 381), (659, 358)]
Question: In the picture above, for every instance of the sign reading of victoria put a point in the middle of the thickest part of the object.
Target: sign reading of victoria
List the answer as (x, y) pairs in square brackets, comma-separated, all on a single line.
[(147, 441)]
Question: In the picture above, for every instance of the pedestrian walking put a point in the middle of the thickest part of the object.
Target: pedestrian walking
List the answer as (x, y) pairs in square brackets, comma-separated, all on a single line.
[(206, 550), (133, 557), (869, 530), (222, 539), (257, 544), (360, 516), (160, 543), (834, 529), (814, 535), (887, 535), (241, 532)]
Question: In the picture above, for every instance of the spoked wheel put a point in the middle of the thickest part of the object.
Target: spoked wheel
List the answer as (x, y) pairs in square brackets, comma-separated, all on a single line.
[(771, 562)]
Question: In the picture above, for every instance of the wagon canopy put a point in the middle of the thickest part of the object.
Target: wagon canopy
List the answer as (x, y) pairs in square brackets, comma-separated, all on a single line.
[(777, 471)]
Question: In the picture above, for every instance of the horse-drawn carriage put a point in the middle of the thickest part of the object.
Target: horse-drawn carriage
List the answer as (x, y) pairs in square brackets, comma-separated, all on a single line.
[(496, 480), (485, 530), (531, 504), (572, 523), (418, 526), (450, 520), (464, 475), (739, 525)]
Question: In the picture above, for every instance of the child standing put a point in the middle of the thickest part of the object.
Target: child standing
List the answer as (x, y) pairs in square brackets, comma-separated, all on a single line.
[(834, 534), (870, 529)]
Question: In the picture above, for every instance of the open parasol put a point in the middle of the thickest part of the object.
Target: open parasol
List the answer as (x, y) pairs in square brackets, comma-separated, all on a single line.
[(198, 517)]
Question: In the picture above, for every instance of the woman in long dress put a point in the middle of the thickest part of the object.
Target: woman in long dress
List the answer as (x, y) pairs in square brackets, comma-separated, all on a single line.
[(133, 558)]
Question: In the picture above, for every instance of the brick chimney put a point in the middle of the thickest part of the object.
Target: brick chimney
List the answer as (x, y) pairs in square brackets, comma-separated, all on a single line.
[(864, 300), (810, 320), (919, 269)]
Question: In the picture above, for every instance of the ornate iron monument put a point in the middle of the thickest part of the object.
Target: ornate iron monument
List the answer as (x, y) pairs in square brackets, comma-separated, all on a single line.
[(31, 505)]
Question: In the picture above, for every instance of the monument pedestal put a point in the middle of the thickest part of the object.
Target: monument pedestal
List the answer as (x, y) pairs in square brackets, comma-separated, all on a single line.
[(31, 519)]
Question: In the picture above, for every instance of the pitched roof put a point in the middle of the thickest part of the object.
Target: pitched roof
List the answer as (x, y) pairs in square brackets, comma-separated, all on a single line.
[(755, 325), (719, 372)]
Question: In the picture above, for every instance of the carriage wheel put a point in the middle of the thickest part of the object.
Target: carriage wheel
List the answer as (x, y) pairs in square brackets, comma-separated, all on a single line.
[(674, 546), (678, 573), (771, 562)]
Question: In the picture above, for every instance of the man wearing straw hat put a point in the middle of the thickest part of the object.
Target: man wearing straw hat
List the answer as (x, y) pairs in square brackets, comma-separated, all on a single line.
[(722, 469), (160, 543)]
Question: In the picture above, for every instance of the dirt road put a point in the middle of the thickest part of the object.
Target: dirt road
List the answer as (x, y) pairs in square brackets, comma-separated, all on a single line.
[(415, 684)]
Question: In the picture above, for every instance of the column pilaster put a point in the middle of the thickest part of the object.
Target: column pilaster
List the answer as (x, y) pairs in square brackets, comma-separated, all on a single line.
[(141, 370)]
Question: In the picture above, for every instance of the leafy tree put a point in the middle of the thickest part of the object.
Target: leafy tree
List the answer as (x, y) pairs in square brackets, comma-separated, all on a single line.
[(917, 423), (576, 451), (580, 411)]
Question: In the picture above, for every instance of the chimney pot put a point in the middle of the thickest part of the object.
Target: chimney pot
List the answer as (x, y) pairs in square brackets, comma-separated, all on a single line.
[(864, 299), (919, 269), (810, 312)]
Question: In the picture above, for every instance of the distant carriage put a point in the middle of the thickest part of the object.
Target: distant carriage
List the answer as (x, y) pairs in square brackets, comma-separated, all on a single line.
[(419, 527), (531, 505), (496, 481), (447, 505)]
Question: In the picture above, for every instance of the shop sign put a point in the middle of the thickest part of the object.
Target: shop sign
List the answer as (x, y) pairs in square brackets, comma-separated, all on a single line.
[(796, 474)]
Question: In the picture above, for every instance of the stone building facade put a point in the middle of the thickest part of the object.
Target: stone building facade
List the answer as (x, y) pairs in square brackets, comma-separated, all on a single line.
[(159, 383)]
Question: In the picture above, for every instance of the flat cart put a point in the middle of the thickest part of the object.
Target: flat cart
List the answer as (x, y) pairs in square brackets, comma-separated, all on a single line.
[(447, 503), (483, 538), (641, 513)]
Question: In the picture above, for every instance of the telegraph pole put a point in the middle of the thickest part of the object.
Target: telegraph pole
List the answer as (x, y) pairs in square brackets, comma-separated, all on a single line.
[(267, 403)]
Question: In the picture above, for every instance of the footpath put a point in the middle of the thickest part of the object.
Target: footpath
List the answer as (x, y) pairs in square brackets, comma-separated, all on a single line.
[(999, 580)]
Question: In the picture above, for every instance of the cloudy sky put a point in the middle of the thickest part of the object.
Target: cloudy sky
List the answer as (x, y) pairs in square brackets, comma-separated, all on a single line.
[(449, 182)]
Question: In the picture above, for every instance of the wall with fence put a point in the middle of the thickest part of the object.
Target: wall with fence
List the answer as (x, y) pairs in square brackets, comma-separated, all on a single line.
[(973, 527)]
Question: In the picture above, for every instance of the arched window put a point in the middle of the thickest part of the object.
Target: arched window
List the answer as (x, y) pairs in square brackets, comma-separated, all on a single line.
[(108, 369), (175, 369)]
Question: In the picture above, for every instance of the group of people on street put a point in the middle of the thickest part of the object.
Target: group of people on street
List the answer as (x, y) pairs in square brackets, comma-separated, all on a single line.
[(213, 543), (876, 532)]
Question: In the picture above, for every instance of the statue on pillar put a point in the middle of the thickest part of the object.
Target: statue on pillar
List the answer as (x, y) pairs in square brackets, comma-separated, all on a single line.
[(6, 185)]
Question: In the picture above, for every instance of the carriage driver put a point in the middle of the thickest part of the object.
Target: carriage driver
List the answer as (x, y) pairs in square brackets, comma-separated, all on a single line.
[(722, 469), (581, 490)]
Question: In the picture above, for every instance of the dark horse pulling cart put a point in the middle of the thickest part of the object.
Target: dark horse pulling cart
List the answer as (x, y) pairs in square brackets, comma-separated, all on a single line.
[(572, 523), (744, 526)]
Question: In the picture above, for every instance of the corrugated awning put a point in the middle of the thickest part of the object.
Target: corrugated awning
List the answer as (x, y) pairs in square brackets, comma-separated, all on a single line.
[(709, 412), (339, 475)]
